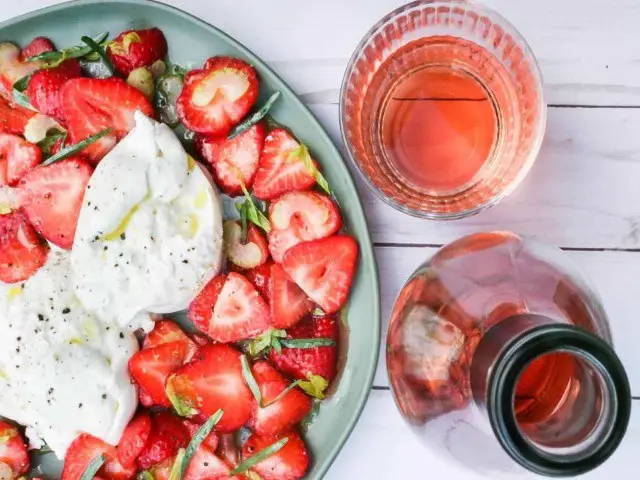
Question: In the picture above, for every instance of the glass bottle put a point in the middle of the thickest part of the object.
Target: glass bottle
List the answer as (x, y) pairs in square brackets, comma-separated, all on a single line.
[(499, 354)]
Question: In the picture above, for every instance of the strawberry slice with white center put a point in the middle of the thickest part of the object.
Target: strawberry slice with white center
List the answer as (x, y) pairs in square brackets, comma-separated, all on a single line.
[(218, 96), (281, 415), (86, 448), (51, 197), (213, 380), (206, 465), (234, 162), (233, 312), (17, 157), (90, 105), (324, 269), (289, 304), (22, 250), (281, 168), (300, 217), (13, 452), (251, 254)]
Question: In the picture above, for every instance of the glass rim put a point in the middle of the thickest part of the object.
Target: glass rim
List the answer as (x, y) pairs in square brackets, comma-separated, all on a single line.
[(531, 156)]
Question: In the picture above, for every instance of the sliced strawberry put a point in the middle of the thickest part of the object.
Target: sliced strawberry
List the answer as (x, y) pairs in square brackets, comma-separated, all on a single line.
[(213, 380), (13, 451), (251, 254), (168, 435), (300, 217), (192, 426), (289, 304), (90, 105), (289, 463), (14, 118), (282, 415), (324, 269), (260, 277), (233, 162), (137, 48), (280, 170), (45, 85), (228, 449), (13, 68), (299, 363), (205, 465), (86, 448), (37, 46), (216, 97), (51, 197), (201, 308), (22, 250), (134, 439), (167, 331), (149, 368), (17, 157)]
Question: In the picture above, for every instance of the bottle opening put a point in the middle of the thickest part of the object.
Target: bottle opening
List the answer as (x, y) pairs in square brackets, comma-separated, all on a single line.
[(562, 404)]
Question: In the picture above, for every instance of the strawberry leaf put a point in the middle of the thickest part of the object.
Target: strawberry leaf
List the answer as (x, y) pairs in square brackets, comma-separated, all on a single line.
[(202, 433), (302, 153), (250, 379), (255, 118), (316, 386), (93, 467), (260, 456)]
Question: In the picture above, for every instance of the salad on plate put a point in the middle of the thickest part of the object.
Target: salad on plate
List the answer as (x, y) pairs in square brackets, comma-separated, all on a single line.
[(135, 194)]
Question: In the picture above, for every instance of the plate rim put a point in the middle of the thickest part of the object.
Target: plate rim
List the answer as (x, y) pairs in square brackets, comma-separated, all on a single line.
[(374, 355)]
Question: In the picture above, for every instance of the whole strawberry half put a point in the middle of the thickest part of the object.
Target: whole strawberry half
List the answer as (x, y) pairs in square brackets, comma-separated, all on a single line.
[(43, 89), (281, 169), (91, 105), (17, 158), (298, 217), (22, 250), (86, 448), (234, 162), (215, 98), (230, 309), (137, 48), (13, 451), (289, 463), (299, 363), (324, 269), (274, 417), (213, 380), (51, 197)]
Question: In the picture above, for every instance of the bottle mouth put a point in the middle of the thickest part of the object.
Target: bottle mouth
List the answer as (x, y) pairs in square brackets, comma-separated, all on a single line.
[(571, 419)]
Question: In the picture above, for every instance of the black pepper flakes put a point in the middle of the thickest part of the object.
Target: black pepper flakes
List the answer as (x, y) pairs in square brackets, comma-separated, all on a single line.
[(66, 310), (123, 236), (104, 396), (185, 261), (40, 317), (121, 335)]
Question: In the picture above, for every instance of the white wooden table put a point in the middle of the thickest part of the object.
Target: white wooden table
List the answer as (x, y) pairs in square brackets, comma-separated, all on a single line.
[(583, 193)]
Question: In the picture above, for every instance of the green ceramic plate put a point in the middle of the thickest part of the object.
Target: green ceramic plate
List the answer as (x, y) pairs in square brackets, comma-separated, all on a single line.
[(191, 41)]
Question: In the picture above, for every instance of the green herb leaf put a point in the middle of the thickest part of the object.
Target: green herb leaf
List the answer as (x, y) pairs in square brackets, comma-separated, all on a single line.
[(178, 70), (254, 214), (260, 456), (182, 407), (93, 467), (176, 470), (312, 416), (55, 58), (266, 340), (316, 386), (282, 394), (307, 342), (145, 475), (99, 49), (250, 380), (251, 475), (276, 345), (244, 214), (255, 117), (202, 433), (344, 316), (76, 147), (18, 93), (50, 140), (302, 153)]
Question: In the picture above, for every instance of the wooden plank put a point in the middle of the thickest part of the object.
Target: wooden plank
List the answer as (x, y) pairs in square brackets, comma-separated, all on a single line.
[(612, 273), (382, 446), (582, 191)]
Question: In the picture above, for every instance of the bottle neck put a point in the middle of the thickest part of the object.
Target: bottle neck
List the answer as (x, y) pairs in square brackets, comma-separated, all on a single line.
[(556, 396)]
